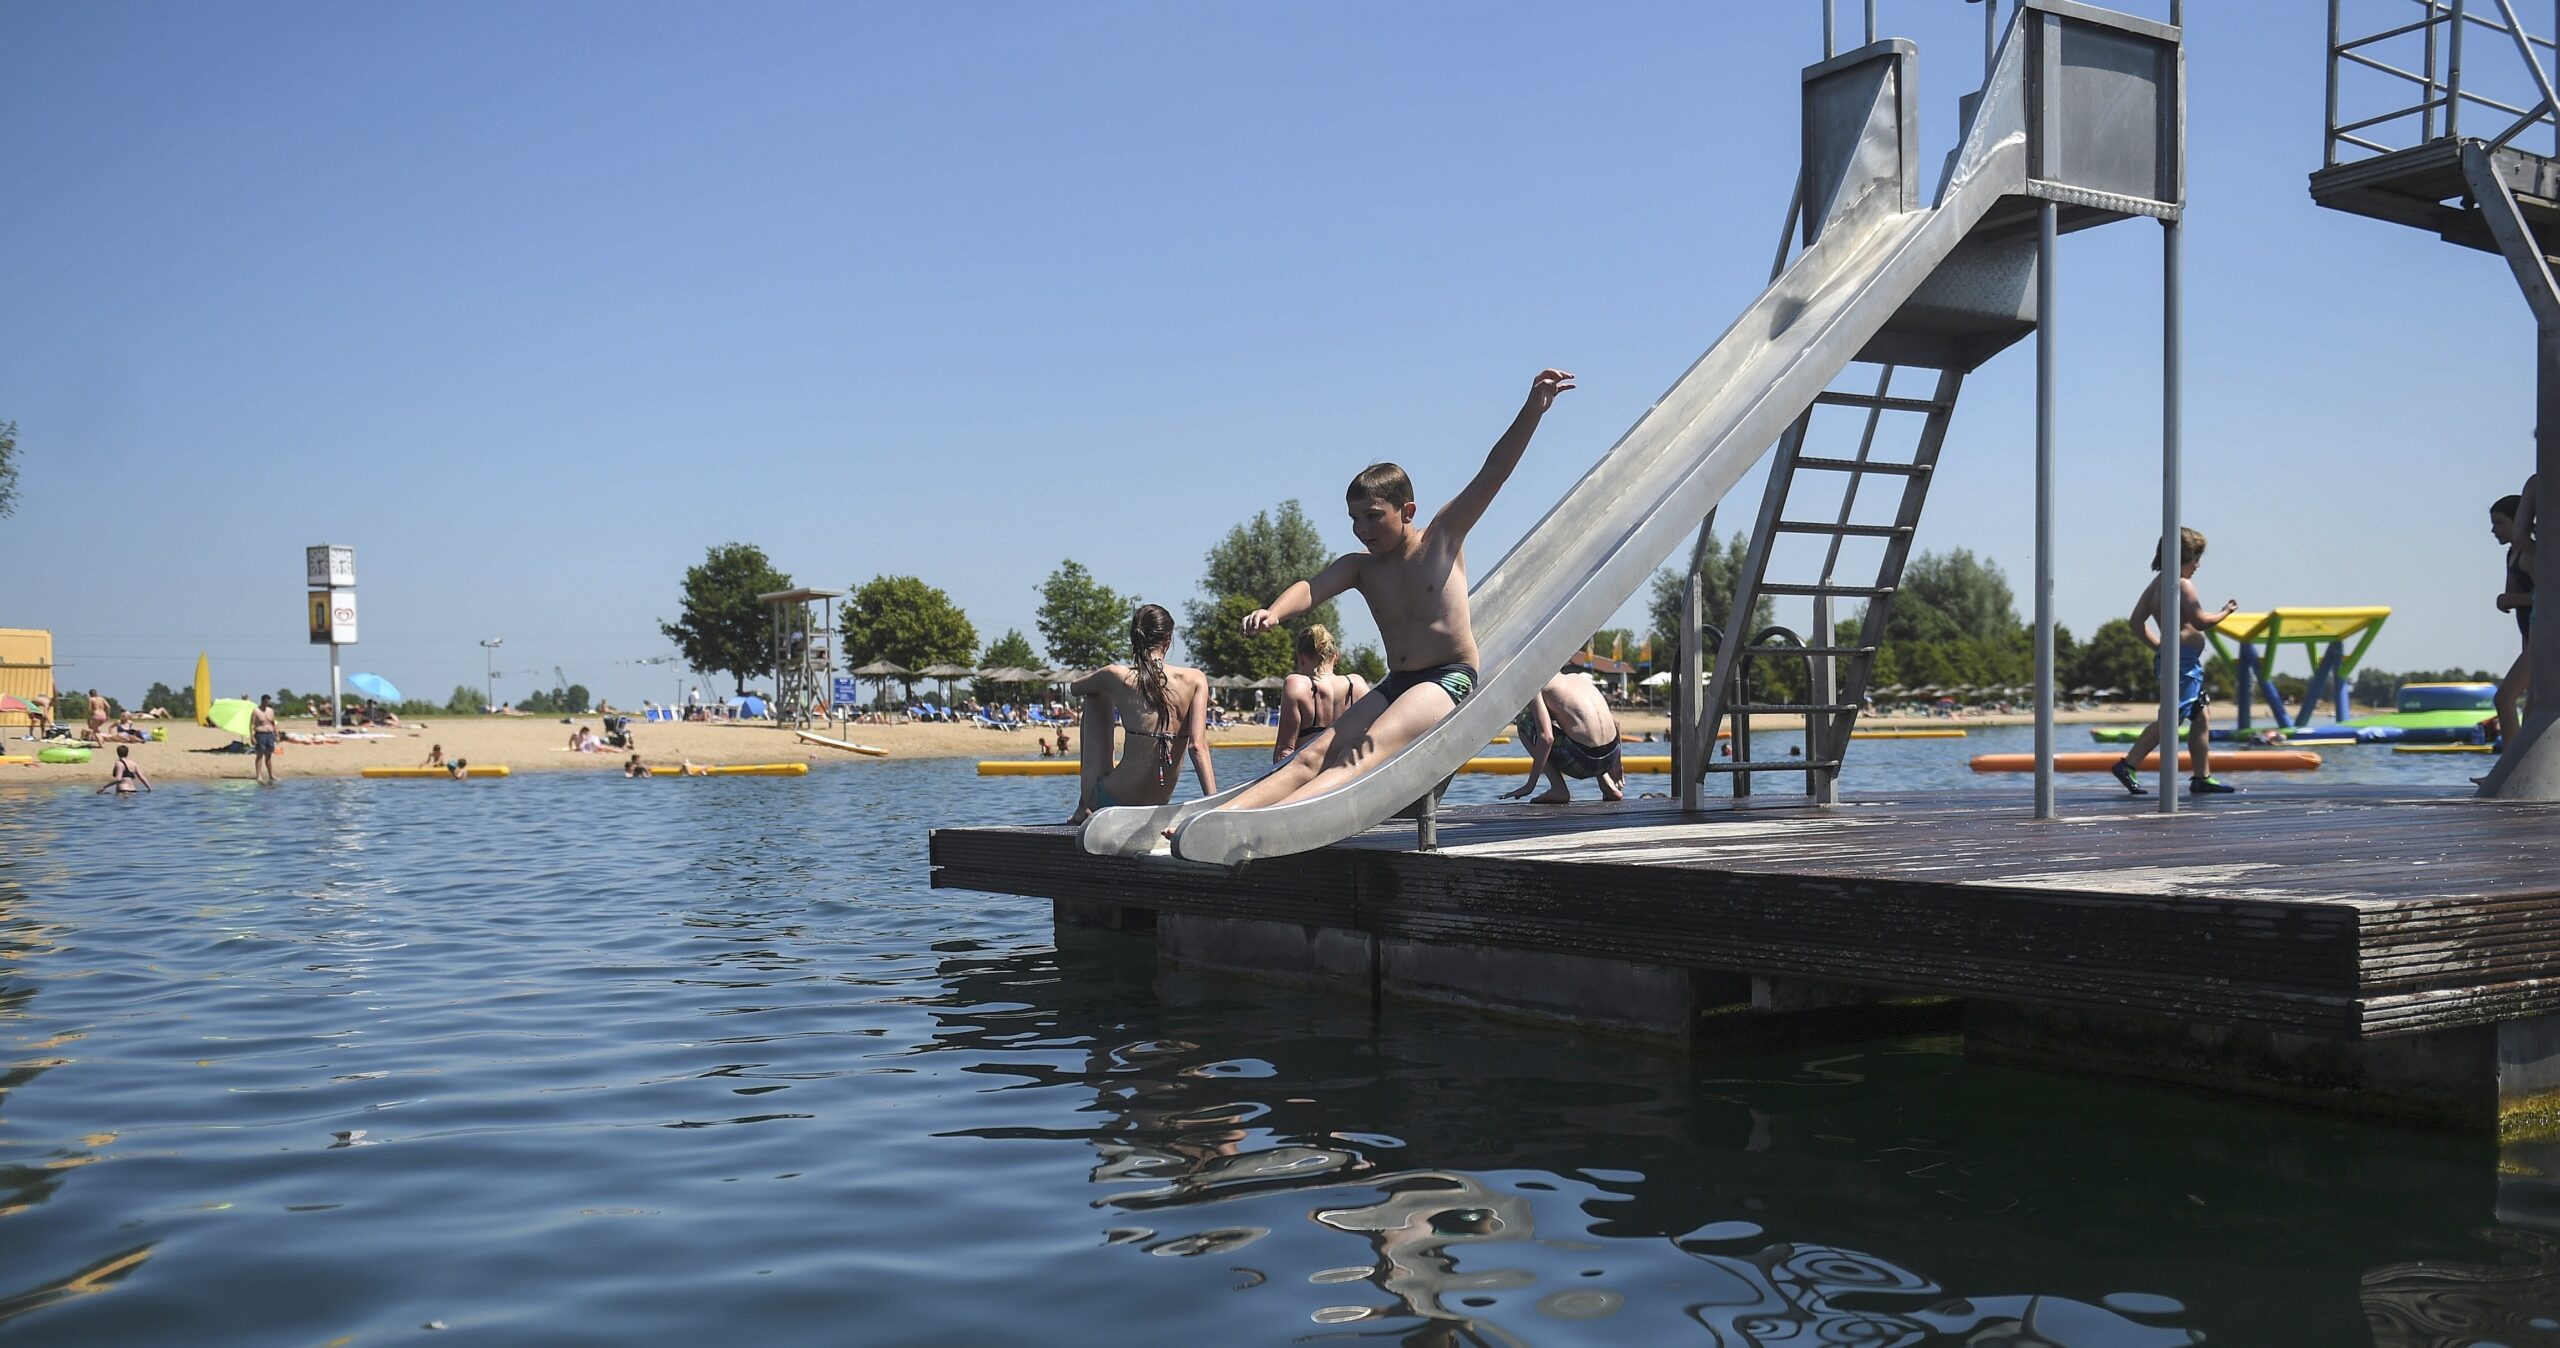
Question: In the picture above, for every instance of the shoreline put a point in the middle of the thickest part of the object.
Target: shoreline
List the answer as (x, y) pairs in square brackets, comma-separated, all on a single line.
[(537, 745)]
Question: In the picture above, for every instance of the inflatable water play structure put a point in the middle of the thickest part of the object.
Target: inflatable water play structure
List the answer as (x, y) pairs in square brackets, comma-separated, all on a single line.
[(2428, 713), (2252, 641), (2238, 760)]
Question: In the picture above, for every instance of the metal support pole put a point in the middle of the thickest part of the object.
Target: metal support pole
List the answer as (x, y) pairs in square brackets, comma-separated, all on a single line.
[(1693, 743), (1871, 22), (337, 694), (2452, 73), (1991, 38), (2329, 132), (1830, 29), (2047, 228), (2172, 445)]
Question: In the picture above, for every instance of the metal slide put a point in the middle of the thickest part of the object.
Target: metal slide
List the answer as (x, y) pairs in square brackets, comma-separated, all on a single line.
[(1873, 253)]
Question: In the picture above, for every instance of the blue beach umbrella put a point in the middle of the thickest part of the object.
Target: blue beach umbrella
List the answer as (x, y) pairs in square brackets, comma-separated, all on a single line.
[(374, 686)]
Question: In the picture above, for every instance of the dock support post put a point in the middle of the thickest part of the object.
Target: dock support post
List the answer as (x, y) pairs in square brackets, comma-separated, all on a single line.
[(2047, 226)]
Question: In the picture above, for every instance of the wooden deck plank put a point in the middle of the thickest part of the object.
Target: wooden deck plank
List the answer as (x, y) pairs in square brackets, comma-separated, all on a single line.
[(2327, 910)]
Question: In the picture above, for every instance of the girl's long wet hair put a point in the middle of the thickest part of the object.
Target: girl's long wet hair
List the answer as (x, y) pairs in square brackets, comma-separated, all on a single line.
[(1150, 632)]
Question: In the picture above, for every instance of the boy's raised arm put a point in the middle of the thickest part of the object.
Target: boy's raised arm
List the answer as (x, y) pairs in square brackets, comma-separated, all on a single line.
[(1463, 510), (1306, 594), (2195, 615)]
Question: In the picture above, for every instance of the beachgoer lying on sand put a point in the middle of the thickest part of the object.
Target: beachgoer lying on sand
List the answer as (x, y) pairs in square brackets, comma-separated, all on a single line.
[(123, 777), (125, 731), (1164, 710)]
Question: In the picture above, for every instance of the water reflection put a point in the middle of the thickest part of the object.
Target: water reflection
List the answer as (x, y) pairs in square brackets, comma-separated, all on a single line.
[(1537, 1181)]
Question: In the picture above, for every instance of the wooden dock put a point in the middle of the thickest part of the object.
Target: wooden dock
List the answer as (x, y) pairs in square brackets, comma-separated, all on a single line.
[(2296, 912)]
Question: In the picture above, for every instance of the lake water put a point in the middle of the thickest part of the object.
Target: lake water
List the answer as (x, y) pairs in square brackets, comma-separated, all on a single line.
[(566, 1059)]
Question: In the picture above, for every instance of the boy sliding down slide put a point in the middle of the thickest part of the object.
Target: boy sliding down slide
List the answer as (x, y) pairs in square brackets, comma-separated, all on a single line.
[(1415, 579)]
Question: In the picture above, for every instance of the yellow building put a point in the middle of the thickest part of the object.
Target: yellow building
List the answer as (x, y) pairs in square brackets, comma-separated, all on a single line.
[(26, 670)]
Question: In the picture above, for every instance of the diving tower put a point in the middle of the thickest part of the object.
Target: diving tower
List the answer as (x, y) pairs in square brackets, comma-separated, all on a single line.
[(2442, 116)]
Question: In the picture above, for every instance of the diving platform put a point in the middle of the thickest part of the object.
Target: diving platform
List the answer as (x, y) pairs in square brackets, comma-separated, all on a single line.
[(2382, 949)]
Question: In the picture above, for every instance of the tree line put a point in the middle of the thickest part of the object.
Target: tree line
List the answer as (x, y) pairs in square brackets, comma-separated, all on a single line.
[(1083, 623)]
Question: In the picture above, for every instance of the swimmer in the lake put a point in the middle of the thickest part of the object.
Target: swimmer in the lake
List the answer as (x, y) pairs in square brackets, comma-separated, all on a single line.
[(124, 778)]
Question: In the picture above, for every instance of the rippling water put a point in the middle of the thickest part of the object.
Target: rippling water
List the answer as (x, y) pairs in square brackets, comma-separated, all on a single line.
[(566, 1059)]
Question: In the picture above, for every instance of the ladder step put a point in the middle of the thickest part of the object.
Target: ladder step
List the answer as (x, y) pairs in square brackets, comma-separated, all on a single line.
[(1784, 708), (1888, 404), (1843, 530), (1861, 465), (1777, 765), (1849, 591), (1808, 650)]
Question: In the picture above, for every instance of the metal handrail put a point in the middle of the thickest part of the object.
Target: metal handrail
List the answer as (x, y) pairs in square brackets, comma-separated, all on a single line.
[(2443, 90)]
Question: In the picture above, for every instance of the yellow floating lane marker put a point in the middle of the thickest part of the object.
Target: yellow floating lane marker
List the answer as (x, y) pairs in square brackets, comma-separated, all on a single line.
[(17, 758), (475, 770), (1955, 734), (2444, 748), (737, 770), (1027, 767), (2237, 760)]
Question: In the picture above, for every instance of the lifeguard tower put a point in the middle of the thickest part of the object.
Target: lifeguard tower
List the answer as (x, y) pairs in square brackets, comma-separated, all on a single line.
[(2251, 641), (2443, 116), (804, 652)]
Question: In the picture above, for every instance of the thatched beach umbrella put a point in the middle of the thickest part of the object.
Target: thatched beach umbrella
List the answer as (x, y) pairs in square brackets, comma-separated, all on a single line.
[(943, 674), (880, 672)]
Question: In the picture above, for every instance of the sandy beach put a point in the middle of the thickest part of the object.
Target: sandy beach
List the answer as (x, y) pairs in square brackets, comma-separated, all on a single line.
[(531, 744)]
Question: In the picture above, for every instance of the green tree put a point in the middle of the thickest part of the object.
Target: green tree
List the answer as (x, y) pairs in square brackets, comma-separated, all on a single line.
[(2116, 657), (9, 473), (904, 621), (1217, 642), (1261, 557), (1084, 622), (1719, 573), (1952, 594), (574, 701), (467, 699), (1012, 650), (539, 702), (721, 626), (1365, 662)]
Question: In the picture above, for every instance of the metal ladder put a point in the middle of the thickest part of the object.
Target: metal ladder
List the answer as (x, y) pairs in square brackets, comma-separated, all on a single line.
[(1840, 673)]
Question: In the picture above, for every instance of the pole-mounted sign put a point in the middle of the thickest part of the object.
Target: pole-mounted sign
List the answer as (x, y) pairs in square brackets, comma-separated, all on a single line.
[(330, 572)]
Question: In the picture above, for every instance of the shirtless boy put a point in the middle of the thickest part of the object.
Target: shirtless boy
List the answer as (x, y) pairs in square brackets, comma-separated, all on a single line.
[(1415, 579), (2192, 623), (1570, 732)]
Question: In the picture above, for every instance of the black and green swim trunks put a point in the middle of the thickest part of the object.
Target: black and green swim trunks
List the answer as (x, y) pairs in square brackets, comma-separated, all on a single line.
[(1458, 681)]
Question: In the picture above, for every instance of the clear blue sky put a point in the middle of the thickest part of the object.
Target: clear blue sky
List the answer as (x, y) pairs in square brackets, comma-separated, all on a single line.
[(531, 304)]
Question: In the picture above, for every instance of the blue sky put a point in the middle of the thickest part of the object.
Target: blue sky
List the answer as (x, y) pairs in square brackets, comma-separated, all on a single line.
[(531, 304)]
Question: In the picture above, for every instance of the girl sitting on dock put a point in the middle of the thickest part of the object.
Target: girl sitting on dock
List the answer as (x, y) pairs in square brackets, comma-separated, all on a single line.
[(1315, 697), (1164, 709)]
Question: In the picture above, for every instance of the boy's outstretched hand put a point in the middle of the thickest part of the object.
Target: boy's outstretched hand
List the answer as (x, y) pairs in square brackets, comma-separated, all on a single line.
[(1544, 388)]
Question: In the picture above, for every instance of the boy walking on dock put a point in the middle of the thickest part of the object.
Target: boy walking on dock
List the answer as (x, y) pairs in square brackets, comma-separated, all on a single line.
[(1415, 579), (2193, 622)]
